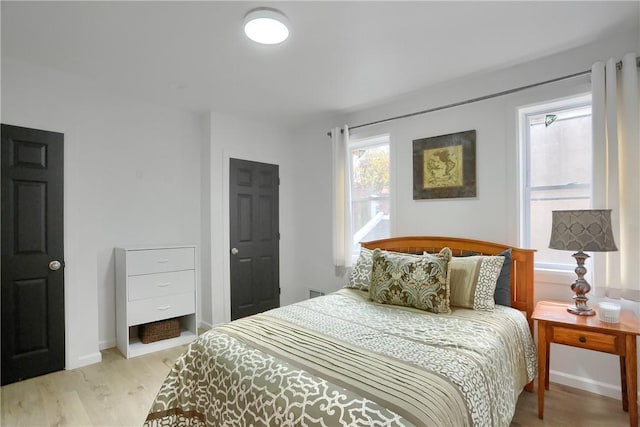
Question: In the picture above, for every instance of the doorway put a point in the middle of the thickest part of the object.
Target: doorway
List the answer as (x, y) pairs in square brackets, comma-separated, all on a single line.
[(32, 253), (254, 237)]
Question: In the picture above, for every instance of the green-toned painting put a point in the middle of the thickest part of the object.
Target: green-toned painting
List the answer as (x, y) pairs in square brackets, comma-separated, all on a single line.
[(445, 166)]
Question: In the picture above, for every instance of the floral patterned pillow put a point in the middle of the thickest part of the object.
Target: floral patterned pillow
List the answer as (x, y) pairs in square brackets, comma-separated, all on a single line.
[(473, 279), (361, 272), (360, 276), (411, 281)]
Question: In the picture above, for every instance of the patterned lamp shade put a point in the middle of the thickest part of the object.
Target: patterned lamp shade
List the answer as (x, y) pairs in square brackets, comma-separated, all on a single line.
[(582, 230)]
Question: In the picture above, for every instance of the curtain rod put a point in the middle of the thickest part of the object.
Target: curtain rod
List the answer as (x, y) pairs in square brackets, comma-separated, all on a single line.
[(481, 98)]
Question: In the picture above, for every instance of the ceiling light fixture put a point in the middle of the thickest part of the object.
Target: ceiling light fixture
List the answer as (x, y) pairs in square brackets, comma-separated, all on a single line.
[(266, 26)]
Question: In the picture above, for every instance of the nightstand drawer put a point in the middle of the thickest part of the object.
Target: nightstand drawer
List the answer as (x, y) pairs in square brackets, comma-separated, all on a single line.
[(585, 339)]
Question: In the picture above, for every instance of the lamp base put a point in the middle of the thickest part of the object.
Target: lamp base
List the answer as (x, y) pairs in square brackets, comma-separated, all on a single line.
[(580, 311), (581, 287)]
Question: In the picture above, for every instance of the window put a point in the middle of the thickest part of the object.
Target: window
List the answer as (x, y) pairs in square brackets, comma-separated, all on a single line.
[(370, 190), (556, 171)]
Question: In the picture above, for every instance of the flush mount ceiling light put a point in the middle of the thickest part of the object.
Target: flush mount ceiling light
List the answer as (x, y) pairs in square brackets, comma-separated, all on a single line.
[(266, 26)]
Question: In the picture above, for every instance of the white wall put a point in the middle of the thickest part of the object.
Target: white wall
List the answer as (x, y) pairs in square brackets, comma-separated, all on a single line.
[(233, 137), (132, 176), (313, 220), (492, 215)]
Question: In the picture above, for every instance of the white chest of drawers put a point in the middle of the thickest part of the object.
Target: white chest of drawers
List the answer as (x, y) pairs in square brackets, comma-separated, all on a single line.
[(154, 283)]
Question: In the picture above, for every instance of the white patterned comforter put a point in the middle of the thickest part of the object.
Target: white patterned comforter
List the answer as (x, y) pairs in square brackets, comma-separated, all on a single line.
[(341, 360)]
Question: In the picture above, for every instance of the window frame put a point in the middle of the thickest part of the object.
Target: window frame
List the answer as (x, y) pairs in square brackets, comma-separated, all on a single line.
[(546, 272), (368, 142)]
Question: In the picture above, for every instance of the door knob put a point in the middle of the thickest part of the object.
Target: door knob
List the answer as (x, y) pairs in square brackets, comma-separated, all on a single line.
[(54, 265), (234, 251)]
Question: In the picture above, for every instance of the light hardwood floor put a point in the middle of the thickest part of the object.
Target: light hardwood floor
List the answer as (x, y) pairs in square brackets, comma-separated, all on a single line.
[(119, 392)]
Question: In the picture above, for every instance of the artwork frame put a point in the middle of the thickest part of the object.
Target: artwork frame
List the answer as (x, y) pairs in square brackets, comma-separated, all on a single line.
[(444, 166)]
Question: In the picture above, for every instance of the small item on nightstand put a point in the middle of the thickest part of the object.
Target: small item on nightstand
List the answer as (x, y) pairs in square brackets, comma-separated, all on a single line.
[(609, 312)]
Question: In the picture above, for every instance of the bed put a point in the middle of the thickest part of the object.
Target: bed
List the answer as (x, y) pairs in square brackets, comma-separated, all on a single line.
[(343, 360)]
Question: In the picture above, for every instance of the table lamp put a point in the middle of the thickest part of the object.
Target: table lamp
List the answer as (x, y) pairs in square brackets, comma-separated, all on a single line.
[(582, 230)]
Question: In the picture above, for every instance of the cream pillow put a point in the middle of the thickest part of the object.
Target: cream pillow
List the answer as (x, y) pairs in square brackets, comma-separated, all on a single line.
[(472, 281)]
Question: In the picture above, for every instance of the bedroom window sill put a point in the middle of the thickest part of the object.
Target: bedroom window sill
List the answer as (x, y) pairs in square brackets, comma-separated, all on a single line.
[(554, 276)]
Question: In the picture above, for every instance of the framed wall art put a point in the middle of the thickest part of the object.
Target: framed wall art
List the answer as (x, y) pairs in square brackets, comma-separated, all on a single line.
[(445, 166)]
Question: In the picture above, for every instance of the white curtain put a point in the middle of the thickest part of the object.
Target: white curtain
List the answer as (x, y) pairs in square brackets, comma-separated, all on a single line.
[(616, 168), (342, 239)]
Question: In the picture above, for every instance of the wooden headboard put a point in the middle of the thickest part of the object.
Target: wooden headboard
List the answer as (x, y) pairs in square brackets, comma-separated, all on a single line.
[(521, 268)]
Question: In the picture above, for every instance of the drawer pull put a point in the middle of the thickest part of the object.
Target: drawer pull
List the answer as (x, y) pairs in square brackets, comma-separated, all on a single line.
[(166, 307), (582, 339), (162, 261), (163, 285)]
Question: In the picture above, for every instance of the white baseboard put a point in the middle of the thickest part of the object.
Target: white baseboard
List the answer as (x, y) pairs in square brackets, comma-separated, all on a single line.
[(87, 359), (587, 384), (205, 325), (105, 344)]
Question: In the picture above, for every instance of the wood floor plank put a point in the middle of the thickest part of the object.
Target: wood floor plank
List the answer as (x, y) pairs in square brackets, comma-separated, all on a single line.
[(104, 398), (66, 410), (119, 392), (22, 405), (567, 406)]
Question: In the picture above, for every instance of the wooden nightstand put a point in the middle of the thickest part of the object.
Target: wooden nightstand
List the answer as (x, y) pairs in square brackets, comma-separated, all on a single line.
[(556, 325)]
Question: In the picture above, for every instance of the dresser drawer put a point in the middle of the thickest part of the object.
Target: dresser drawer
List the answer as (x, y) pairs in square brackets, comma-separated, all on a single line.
[(160, 260), (585, 339), (165, 307), (159, 284)]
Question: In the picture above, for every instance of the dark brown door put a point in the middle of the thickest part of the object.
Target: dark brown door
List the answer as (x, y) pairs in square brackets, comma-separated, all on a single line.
[(32, 253), (255, 237)]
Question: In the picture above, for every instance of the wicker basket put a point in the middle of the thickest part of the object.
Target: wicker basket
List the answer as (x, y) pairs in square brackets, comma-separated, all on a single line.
[(161, 330)]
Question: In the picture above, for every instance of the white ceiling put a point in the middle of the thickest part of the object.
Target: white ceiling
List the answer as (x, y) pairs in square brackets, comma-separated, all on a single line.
[(340, 55)]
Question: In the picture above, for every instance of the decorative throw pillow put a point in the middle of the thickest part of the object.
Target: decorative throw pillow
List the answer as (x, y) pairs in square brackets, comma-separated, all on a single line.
[(502, 295), (473, 280), (361, 272), (411, 281), (360, 276)]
